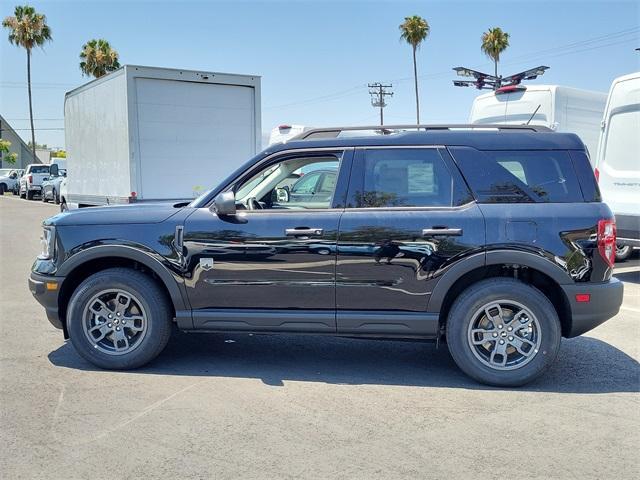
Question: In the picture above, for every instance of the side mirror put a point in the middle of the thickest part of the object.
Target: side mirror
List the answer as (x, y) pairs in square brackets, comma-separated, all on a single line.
[(53, 170), (224, 204), (282, 195), (13, 176)]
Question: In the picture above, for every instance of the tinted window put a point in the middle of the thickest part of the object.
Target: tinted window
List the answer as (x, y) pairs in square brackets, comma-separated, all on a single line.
[(40, 169), (519, 176), (404, 177)]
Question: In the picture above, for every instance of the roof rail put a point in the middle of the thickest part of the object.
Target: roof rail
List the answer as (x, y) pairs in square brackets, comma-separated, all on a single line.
[(333, 132)]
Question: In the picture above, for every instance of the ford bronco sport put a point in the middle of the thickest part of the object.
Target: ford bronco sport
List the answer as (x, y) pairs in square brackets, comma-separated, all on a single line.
[(492, 239)]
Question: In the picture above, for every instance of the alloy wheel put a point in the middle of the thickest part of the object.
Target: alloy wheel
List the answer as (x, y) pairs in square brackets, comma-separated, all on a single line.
[(504, 335), (115, 322)]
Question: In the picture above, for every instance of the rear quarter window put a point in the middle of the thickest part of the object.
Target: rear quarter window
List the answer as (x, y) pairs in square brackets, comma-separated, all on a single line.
[(531, 176)]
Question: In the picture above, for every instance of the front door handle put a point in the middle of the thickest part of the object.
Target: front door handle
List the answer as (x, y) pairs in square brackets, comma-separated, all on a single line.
[(428, 232), (303, 232)]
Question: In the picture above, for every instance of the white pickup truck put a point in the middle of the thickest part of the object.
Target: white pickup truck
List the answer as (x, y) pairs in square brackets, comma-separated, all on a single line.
[(31, 181)]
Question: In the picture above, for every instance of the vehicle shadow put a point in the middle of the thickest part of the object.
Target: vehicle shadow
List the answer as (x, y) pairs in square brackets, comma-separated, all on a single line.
[(584, 365), (629, 277)]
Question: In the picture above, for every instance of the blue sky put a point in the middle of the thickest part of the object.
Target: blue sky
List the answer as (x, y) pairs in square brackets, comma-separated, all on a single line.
[(316, 57)]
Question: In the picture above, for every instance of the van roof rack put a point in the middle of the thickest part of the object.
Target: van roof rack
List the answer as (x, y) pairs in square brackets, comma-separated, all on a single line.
[(333, 132)]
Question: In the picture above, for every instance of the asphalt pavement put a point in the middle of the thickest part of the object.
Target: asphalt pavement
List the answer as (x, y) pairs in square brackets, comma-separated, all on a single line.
[(267, 407)]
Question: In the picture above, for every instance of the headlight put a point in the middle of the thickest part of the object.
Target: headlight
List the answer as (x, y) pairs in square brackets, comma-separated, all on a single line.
[(48, 243)]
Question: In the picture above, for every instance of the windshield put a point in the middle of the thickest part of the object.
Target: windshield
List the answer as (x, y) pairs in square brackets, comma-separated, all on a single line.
[(5, 172)]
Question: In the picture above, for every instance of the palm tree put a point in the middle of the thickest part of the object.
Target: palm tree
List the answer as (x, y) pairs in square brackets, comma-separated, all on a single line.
[(494, 42), (414, 30), (98, 58), (28, 29)]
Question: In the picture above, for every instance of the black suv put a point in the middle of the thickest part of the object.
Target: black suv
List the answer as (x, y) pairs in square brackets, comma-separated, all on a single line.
[(493, 239)]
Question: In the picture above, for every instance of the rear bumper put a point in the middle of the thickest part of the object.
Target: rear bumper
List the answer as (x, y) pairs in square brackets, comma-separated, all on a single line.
[(604, 302), (47, 297)]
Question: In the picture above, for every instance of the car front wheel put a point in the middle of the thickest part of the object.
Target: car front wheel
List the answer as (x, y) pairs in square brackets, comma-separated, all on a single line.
[(119, 319), (503, 332)]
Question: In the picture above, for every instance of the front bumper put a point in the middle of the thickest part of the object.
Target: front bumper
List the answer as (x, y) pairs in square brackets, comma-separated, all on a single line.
[(604, 302), (41, 287)]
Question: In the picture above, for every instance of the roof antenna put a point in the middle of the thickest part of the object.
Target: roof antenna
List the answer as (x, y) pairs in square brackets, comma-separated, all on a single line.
[(534, 114)]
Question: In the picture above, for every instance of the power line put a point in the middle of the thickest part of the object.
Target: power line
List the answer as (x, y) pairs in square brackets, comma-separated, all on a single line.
[(378, 92)]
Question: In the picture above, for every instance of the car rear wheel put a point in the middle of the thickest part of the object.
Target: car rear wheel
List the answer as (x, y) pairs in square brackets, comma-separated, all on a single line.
[(3, 188), (503, 332), (119, 319), (56, 197)]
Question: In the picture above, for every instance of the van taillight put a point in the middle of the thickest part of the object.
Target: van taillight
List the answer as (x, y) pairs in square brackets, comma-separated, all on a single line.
[(597, 174), (30, 178), (607, 240)]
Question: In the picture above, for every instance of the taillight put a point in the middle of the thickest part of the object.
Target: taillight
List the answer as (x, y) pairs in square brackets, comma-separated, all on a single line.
[(597, 173), (607, 240), (30, 178)]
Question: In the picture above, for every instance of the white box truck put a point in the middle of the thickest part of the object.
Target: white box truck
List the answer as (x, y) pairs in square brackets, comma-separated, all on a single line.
[(562, 109), (618, 160), (149, 134)]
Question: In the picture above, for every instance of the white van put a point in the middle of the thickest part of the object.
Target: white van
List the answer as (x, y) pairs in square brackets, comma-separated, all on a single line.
[(562, 109), (618, 160), (286, 132)]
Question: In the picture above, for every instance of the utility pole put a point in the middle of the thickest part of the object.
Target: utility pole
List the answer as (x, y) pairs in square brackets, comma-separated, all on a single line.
[(378, 91)]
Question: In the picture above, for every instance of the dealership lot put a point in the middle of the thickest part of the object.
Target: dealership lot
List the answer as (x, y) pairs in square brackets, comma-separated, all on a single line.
[(286, 407)]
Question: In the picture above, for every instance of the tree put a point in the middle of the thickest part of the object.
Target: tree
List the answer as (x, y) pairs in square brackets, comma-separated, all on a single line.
[(28, 29), (98, 58), (494, 42), (5, 154), (414, 30)]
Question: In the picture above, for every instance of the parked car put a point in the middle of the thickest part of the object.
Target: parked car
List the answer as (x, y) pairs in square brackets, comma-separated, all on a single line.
[(618, 160), (51, 185), (31, 181), (8, 180), (495, 240)]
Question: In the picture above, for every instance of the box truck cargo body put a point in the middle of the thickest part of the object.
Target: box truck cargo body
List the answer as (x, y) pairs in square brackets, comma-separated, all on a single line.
[(145, 133), (562, 109), (618, 159)]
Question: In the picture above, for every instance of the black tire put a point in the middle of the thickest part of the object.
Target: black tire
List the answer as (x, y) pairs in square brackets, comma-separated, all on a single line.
[(43, 197), (56, 197), (623, 252), (506, 289), (152, 299), (29, 195), (63, 206), (3, 188), (16, 191)]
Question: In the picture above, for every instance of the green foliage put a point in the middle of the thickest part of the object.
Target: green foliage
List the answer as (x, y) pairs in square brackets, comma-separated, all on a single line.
[(98, 58), (7, 156), (414, 30), (494, 42), (4, 146), (28, 28)]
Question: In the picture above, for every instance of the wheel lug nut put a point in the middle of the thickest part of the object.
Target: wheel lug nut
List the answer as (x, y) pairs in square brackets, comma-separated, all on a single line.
[(124, 322), (510, 339), (118, 314), (118, 328), (495, 334), (110, 316), (109, 325), (501, 342), (499, 326), (509, 328)]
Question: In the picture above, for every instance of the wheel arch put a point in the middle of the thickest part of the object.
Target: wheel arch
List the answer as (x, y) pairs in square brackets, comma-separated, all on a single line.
[(77, 268), (531, 269)]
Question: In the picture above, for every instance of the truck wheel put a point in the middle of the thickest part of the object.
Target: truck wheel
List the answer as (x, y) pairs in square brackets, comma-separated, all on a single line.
[(43, 197), (119, 319), (29, 195), (63, 206), (623, 252), (502, 332)]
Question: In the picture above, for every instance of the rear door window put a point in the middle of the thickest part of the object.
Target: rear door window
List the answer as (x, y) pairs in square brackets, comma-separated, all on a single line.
[(403, 177), (533, 176)]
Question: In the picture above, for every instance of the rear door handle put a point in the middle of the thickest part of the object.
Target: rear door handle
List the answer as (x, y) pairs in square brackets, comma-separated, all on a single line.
[(303, 232), (428, 232)]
